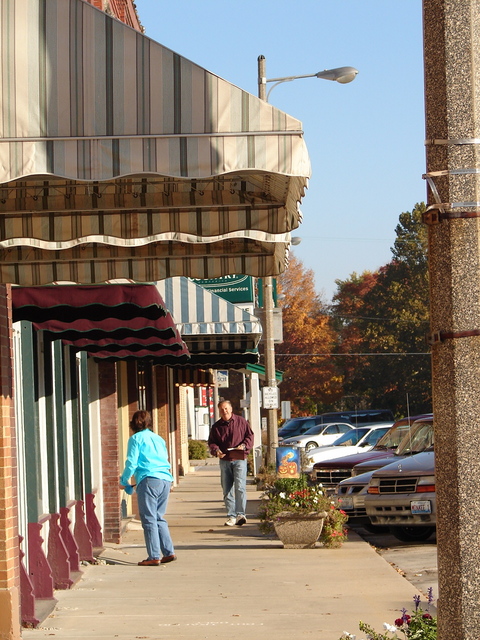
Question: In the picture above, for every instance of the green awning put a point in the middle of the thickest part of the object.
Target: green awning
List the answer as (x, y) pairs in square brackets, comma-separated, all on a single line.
[(260, 369)]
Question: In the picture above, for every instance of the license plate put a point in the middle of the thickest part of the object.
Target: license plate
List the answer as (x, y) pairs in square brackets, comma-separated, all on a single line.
[(345, 502), (420, 506)]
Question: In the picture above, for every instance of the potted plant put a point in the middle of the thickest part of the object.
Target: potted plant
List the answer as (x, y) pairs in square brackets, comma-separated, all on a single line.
[(300, 514)]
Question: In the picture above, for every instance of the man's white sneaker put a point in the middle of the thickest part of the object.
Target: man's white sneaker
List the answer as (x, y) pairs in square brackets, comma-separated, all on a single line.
[(240, 520), (230, 522)]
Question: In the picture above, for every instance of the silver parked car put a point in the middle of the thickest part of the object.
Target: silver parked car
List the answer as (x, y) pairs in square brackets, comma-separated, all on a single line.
[(402, 497), (319, 435), (350, 496)]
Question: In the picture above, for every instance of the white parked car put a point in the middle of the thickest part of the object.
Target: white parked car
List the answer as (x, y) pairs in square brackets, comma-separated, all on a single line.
[(319, 435), (355, 440)]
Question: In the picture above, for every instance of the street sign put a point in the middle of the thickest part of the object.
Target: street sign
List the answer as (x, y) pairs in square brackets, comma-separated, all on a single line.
[(270, 397), (222, 378), (286, 410)]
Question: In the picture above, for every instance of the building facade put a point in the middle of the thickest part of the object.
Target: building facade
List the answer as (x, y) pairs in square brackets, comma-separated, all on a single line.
[(110, 178)]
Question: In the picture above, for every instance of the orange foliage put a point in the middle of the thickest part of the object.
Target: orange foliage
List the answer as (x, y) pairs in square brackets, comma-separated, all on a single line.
[(310, 379)]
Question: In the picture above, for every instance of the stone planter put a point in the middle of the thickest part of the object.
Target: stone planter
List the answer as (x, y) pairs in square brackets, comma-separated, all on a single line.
[(299, 531)]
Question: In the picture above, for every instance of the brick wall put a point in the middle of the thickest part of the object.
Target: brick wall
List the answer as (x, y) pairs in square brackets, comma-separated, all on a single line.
[(107, 381), (124, 10), (9, 546)]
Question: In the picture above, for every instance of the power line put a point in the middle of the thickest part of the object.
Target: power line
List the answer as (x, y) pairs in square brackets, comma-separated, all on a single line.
[(335, 355)]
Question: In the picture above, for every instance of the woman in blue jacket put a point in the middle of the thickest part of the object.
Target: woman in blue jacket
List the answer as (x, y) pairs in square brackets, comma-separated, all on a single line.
[(147, 461)]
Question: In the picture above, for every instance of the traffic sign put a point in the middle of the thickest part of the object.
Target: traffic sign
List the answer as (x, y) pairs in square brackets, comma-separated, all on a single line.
[(270, 397)]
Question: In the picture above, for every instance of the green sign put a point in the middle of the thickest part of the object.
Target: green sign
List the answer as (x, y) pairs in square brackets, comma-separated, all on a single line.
[(235, 288)]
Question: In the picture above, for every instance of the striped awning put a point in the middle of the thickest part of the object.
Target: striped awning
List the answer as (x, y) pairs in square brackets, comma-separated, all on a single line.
[(217, 332), (109, 322), (121, 159)]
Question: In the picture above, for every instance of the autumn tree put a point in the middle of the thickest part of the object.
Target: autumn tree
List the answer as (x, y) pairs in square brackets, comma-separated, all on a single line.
[(390, 316), (311, 381)]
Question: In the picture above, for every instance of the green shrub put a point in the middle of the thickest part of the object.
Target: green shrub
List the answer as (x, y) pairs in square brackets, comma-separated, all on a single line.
[(197, 450)]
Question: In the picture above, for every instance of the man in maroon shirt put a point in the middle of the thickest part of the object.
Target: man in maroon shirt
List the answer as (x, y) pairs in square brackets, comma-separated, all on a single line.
[(230, 439)]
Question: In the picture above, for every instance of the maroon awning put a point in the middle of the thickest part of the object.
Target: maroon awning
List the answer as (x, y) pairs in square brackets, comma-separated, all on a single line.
[(107, 321)]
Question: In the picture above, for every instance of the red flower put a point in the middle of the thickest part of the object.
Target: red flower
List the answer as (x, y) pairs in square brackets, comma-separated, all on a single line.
[(427, 616), (401, 621)]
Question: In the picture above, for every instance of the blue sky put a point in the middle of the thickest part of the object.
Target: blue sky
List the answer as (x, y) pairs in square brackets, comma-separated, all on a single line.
[(365, 139)]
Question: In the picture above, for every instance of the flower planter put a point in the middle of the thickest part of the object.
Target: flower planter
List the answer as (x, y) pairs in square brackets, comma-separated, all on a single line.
[(299, 531)]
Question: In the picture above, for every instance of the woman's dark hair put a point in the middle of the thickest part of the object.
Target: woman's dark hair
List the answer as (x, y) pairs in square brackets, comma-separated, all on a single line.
[(140, 420)]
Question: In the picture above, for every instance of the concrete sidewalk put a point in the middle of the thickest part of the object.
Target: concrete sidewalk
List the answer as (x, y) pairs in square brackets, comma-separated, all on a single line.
[(228, 582)]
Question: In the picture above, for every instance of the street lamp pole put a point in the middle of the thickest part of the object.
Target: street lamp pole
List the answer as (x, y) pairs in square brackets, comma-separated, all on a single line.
[(343, 75), (268, 305)]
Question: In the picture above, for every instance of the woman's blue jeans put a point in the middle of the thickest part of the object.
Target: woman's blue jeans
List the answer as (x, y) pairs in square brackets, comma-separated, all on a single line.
[(152, 495), (233, 476)]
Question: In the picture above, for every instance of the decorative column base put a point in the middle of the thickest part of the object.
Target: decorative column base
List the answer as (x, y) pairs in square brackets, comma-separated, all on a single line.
[(68, 539), (39, 568), (27, 598), (58, 555), (82, 534), (92, 521)]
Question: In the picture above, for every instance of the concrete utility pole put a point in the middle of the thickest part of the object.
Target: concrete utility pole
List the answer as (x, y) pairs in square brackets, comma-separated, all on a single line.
[(452, 91)]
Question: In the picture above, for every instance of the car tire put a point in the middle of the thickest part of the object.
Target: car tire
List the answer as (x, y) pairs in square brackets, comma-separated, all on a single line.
[(412, 534), (373, 528), (310, 445)]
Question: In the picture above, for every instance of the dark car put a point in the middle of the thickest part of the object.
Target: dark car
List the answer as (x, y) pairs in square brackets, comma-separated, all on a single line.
[(357, 417), (296, 426), (330, 472)]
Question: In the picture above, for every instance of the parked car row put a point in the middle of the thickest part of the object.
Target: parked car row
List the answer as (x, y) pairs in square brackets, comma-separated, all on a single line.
[(319, 435), (381, 474), (405, 437), (397, 495), (299, 426), (351, 442)]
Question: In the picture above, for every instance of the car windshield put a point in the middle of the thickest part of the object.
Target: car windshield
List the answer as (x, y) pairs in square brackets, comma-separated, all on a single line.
[(351, 437), (291, 426), (315, 430), (300, 425), (419, 439), (393, 437), (374, 436)]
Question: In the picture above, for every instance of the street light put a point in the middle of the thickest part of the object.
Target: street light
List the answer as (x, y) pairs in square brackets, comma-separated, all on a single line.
[(343, 75)]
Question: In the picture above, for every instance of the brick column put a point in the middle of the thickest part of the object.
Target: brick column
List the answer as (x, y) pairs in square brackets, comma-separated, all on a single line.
[(452, 93), (9, 543), (107, 381)]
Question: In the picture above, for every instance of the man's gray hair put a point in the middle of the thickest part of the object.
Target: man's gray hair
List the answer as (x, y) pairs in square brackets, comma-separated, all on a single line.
[(224, 402)]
